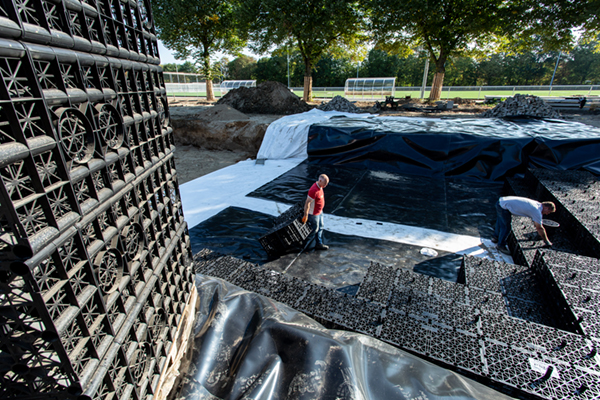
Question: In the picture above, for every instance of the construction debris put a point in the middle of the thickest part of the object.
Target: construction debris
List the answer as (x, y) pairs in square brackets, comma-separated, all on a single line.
[(339, 103), (266, 98), (522, 105)]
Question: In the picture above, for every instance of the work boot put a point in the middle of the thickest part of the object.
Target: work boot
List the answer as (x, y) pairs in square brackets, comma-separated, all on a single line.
[(503, 249), (321, 246)]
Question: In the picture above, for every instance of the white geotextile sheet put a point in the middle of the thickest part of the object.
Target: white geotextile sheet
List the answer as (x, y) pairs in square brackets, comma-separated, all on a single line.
[(287, 137)]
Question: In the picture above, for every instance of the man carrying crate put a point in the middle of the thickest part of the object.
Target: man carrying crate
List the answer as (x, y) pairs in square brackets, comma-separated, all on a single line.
[(313, 209)]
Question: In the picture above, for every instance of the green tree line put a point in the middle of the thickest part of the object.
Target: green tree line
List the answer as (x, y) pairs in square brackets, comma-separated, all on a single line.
[(579, 67), (464, 40)]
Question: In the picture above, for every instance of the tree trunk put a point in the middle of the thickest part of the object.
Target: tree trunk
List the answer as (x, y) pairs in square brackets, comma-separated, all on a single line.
[(307, 96), (210, 94), (207, 71), (436, 86)]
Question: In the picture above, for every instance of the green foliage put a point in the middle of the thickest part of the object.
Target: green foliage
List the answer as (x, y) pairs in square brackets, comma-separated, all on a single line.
[(186, 67), (450, 29), (271, 69), (444, 28), (582, 66), (381, 64), (549, 25), (242, 68), (331, 71), (313, 26), (198, 29)]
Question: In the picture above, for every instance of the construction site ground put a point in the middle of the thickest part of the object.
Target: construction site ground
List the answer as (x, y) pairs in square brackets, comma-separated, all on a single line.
[(195, 157)]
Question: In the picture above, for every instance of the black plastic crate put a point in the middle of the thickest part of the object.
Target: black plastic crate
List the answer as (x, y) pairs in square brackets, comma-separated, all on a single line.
[(284, 238)]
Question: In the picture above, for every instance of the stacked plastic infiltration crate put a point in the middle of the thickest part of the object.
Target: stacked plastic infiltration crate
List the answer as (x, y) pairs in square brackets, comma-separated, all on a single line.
[(94, 251), (288, 234)]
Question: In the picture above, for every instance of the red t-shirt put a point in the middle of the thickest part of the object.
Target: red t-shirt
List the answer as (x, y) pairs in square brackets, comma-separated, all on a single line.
[(316, 193)]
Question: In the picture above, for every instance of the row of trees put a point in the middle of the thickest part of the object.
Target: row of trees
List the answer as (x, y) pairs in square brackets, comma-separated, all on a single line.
[(579, 67), (338, 32)]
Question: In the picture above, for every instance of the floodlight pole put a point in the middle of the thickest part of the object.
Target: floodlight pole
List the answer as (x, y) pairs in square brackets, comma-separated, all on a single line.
[(425, 72), (554, 73), (288, 64)]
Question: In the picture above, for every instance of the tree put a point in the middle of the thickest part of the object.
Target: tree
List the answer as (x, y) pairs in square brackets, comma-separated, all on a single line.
[(272, 69), (491, 71), (583, 66), (198, 28), (313, 25), (444, 28), (186, 67), (332, 71), (242, 68), (528, 68), (462, 71), (380, 64)]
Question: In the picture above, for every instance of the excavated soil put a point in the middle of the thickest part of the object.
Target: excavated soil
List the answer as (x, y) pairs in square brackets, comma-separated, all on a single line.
[(219, 128), (266, 98)]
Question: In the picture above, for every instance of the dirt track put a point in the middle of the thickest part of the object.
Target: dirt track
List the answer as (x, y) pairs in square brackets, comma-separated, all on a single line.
[(195, 160)]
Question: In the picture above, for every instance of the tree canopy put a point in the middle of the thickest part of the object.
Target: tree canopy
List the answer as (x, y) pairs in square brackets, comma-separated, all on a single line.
[(581, 66), (443, 28), (187, 67), (198, 29), (313, 26)]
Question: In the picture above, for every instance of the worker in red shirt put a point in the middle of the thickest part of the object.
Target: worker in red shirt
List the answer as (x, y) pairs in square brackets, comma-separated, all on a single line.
[(313, 210)]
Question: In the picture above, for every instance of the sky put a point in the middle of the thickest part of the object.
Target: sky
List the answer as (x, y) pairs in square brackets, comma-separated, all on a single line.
[(166, 55)]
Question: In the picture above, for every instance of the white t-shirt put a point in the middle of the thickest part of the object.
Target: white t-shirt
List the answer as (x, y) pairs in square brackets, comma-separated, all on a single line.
[(523, 207)]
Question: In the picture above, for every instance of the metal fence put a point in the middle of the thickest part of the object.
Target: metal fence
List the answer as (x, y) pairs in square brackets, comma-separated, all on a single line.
[(193, 85)]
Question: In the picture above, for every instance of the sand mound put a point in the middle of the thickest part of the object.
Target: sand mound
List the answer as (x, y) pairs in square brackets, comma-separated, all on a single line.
[(266, 98), (339, 103), (221, 112)]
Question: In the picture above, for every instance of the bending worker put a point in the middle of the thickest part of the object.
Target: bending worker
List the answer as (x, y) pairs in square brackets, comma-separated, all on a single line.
[(524, 207), (313, 209)]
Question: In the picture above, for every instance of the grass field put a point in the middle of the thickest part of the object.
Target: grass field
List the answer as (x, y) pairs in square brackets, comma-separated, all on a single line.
[(447, 93)]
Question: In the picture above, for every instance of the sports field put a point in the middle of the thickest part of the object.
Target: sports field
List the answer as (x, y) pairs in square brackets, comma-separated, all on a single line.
[(415, 92)]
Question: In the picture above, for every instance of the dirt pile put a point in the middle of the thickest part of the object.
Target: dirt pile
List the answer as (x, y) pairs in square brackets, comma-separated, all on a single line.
[(221, 112), (339, 103), (522, 105), (218, 128), (266, 98)]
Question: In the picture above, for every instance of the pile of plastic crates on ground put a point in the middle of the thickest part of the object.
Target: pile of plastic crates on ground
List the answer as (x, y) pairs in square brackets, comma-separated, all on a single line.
[(530, 329), (94, 251), (288, 234)]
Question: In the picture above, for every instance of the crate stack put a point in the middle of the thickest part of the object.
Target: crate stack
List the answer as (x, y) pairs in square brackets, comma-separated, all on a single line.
[(577, 197), (288, 234), (492, 325), (94, 251)]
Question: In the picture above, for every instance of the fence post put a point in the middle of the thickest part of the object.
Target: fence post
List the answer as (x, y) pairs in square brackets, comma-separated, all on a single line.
[(514, 90)]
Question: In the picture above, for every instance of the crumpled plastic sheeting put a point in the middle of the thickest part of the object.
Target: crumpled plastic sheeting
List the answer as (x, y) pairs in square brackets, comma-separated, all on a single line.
[(248, 346), (287, 136), (488, 149)]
